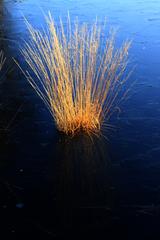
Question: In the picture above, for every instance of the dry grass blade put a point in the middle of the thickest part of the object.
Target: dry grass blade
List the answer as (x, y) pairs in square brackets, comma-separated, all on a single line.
[(78, 80)]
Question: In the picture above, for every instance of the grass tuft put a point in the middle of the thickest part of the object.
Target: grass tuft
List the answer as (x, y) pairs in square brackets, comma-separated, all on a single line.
[(78, 77)]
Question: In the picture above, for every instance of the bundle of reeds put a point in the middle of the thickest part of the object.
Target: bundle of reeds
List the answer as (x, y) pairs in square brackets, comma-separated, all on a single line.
[(78, 77)]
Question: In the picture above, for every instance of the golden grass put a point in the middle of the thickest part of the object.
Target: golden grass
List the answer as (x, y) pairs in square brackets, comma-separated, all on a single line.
[(77, 76)]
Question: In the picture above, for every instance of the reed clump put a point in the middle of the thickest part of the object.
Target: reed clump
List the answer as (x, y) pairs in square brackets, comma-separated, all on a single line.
[(78, 77)]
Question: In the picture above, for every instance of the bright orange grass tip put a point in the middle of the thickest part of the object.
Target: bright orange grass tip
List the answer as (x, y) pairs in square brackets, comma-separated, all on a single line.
[(78, 76)]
